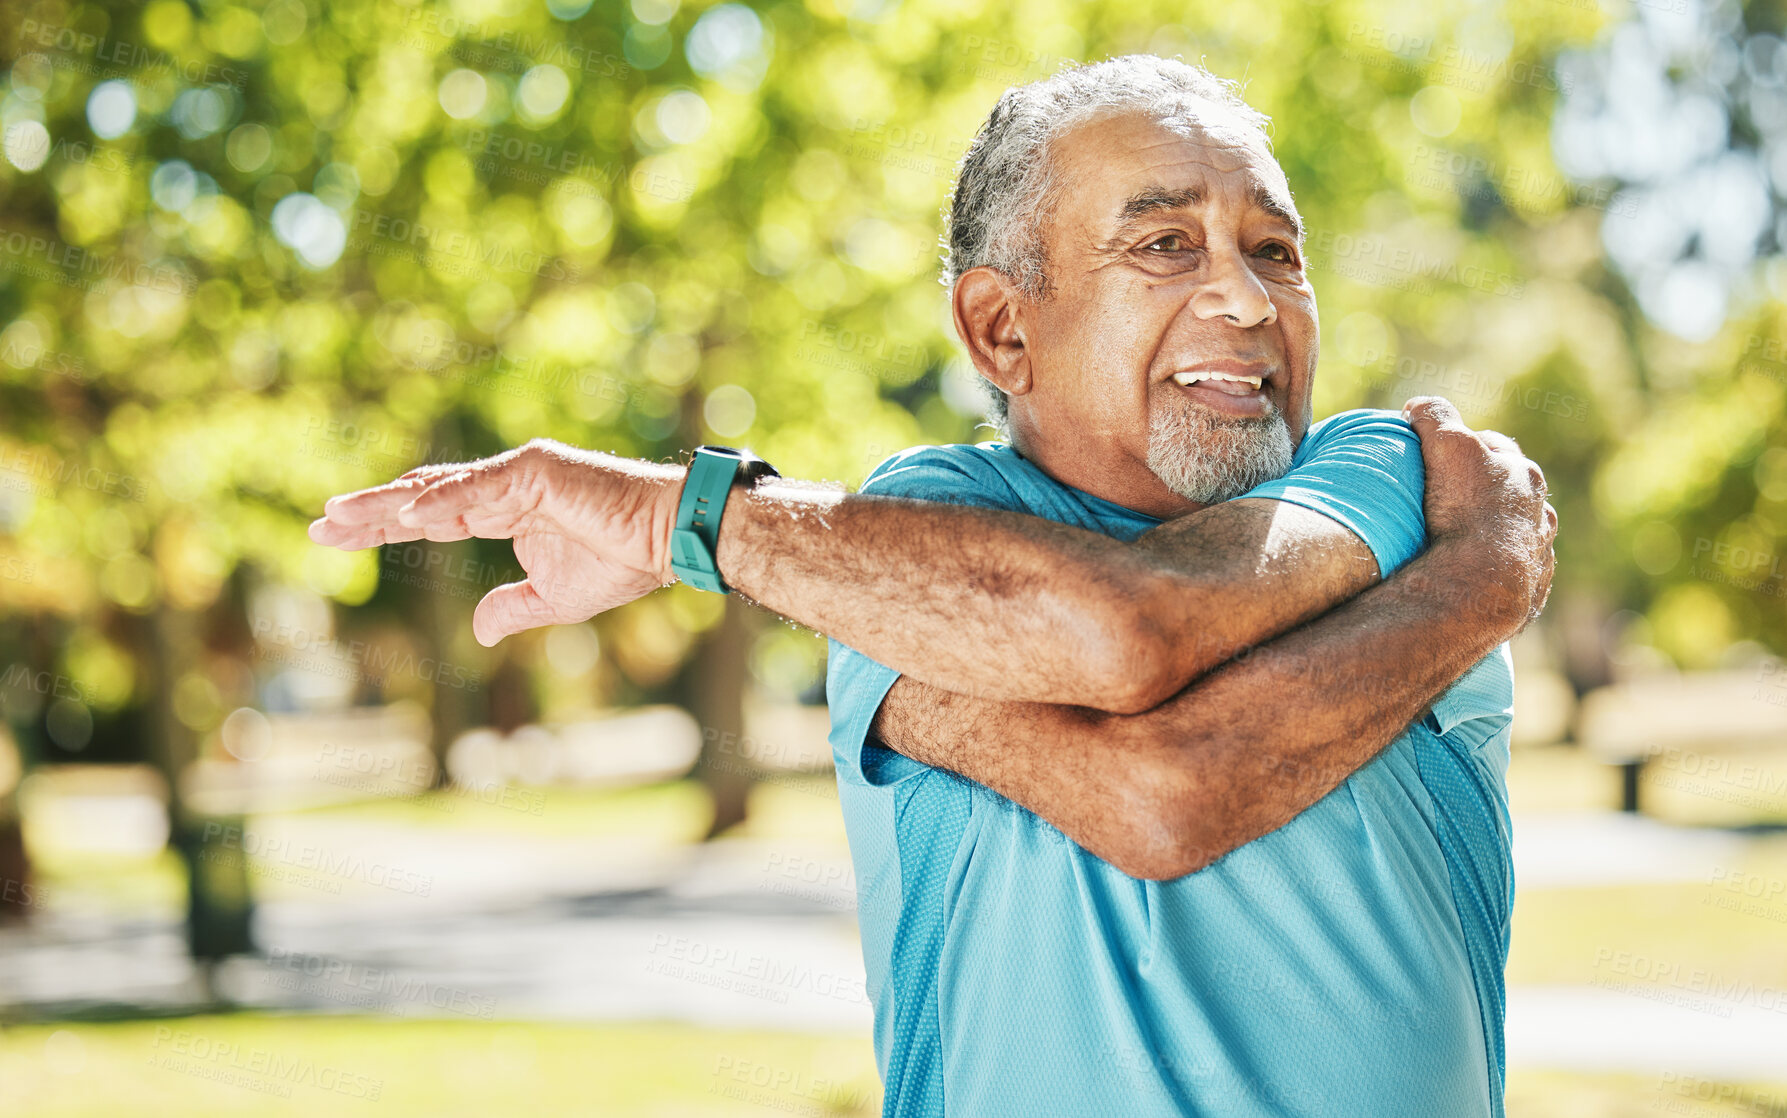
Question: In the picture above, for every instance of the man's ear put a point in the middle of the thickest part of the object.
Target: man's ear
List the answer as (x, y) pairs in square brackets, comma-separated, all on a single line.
[(989, 319)]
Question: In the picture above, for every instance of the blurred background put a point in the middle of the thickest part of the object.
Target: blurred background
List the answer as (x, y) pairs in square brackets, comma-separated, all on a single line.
[(278, 837)]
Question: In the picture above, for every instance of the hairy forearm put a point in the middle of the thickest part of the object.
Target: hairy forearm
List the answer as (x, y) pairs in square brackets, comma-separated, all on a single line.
[(1004, 606), (1239, 753)]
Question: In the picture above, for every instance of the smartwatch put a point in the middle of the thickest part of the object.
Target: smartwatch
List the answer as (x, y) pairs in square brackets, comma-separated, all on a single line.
[(696, 537)]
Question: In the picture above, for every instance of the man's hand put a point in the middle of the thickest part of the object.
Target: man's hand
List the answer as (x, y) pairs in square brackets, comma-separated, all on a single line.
[(1483, 492), (591, 530)]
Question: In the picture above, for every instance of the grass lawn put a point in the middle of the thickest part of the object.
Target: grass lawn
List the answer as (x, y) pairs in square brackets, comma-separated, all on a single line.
[(254, 1064)]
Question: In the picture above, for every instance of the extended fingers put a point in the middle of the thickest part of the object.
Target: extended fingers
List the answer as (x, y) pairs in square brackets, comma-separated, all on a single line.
[(441, 502), (354, 537), (368, 517), (486, 499), (376, 506)]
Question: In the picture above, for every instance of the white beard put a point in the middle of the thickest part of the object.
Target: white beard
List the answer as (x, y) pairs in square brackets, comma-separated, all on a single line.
[(1207, 460)]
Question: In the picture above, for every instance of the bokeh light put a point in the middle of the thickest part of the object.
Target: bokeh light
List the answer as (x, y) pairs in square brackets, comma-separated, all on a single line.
[(27, 144), (111, 109), (463, 94), (311, 228)]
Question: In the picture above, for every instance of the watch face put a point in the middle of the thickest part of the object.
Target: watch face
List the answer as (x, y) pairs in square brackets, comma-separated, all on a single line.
[(749, 464)]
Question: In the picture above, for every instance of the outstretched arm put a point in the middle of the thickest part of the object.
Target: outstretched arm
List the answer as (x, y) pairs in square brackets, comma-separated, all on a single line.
[(1246, 748), (984, 602)]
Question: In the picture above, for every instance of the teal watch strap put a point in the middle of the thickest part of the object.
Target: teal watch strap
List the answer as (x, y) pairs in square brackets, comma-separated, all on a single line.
[(697, 534)]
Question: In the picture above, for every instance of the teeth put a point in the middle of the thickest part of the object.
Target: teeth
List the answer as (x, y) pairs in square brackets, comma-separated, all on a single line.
[(1193, 378)]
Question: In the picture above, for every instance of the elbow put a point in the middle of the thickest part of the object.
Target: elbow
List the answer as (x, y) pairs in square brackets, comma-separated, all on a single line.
[(1165, 831), (1132, 669), (1163, 859), (1169, 859)]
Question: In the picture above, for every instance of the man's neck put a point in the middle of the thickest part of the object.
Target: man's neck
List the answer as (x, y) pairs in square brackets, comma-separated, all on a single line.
[(1134, 486)]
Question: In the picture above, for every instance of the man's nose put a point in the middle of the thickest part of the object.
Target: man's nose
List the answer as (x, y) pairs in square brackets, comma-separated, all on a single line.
[(1235, 293)]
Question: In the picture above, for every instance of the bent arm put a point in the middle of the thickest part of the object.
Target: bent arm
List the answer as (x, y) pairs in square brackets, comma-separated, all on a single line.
[(1241, 752), (1004, 606)]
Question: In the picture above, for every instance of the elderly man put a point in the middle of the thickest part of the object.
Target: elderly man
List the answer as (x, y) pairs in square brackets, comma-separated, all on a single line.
[(1170, 731)]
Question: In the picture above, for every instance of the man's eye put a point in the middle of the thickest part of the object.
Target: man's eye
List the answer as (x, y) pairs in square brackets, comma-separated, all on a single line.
[(1172, 242), (1282, 251)]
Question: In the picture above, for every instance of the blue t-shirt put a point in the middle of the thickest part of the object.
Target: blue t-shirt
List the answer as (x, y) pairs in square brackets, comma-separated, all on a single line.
[(1349, 963)]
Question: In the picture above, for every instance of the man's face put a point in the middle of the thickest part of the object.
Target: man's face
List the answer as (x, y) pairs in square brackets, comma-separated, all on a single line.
[(1176, 274)]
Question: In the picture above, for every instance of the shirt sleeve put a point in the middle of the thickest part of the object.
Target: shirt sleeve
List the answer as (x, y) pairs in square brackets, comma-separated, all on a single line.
[(1362, 468), (855, 685)]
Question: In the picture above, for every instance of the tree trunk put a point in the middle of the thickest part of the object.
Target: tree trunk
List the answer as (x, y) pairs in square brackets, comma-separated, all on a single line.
[(711, 687), (220, 905), (17, 890), (445, 623)]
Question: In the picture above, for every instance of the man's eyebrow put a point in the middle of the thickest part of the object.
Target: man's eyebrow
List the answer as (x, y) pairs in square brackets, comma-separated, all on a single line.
[(1157, 199), (1269, 202)]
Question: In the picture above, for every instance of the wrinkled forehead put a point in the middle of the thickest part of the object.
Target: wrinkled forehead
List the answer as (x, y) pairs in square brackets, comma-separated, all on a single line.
[(1198, 148)]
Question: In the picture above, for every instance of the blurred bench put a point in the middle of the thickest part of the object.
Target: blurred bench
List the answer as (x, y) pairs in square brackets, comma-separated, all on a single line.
[(1629, 724)]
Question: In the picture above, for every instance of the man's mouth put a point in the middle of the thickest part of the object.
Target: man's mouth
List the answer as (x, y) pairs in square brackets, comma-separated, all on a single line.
[(1231, 387), (1230, 383)]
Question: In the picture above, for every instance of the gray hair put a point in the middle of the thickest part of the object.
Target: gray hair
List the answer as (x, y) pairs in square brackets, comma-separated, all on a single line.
[(1006, 183)]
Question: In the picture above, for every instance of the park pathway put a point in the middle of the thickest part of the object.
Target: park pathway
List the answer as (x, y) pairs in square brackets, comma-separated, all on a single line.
[(762, 934)]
